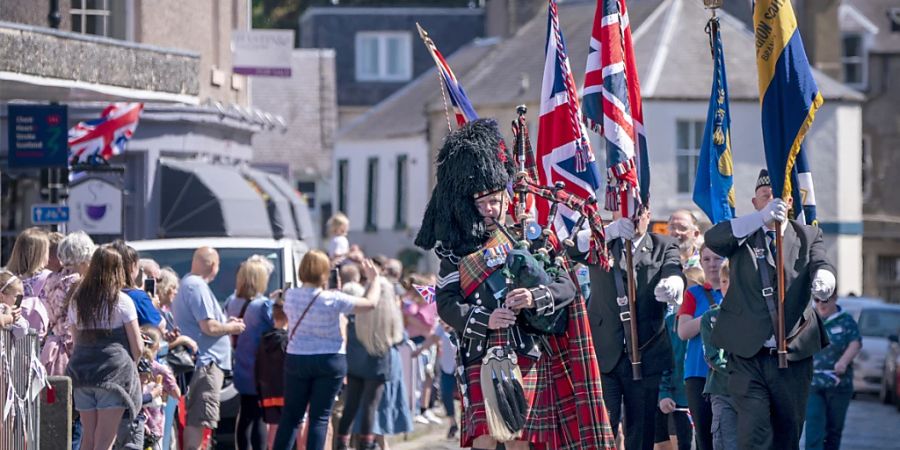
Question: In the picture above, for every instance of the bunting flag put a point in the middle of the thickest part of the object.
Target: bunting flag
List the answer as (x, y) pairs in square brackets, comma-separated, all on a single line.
[(426, 291), (462, 108), (789, 99), (613, 108), (563, 150), (714, 184), (104, 137)]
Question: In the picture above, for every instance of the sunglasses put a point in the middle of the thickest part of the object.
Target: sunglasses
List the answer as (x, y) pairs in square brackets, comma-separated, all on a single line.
[(819, 300)]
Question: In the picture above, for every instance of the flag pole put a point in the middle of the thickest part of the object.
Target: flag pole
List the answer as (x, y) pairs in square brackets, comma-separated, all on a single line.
[(429, 44), (779, 267), (632, 312)]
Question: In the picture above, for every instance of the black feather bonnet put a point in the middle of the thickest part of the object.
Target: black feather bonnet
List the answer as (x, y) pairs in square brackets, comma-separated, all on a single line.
[(474, 160)]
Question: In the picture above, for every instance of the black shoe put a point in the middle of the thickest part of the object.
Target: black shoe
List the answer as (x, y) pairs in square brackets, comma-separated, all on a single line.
[(451, 433), (341, 446)]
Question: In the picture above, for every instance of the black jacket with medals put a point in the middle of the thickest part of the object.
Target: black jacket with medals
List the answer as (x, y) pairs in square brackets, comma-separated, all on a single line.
[(470, 287)]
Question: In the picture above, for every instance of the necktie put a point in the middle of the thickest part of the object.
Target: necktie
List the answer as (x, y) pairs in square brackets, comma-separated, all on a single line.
[(771, 235)]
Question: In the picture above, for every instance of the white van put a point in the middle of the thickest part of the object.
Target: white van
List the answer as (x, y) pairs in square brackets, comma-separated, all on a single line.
[(285, 255)]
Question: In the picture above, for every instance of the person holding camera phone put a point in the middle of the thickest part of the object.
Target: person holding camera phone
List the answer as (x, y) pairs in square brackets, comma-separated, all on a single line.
[(316, 361), (144, 303), (11, 295)]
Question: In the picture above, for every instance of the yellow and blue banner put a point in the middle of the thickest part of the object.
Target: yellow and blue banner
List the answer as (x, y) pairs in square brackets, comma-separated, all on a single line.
[(788, 94), (714, 184)]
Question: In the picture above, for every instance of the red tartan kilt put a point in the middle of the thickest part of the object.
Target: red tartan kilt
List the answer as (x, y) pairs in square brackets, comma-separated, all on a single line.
[(474, 418)]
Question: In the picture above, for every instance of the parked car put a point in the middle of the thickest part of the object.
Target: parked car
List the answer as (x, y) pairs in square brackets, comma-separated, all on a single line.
[(285, 256), (877, 320), (890, 381)]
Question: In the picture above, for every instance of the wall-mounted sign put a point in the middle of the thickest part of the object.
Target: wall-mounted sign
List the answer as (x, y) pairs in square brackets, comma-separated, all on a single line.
[(95, 207), (38, 136), (264, 53)]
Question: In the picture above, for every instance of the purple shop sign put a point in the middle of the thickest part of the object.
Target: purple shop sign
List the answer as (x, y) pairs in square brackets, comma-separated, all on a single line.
[(262, 53)]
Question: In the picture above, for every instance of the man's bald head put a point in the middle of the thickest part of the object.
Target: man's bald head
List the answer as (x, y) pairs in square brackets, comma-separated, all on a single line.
[(205, 263)]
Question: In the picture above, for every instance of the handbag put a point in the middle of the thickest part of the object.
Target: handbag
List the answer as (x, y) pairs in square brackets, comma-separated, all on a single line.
[(180, 359), (294, 330)]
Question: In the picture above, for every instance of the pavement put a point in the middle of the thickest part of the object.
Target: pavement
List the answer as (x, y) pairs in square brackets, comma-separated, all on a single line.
[(431, 437), (870, 425)]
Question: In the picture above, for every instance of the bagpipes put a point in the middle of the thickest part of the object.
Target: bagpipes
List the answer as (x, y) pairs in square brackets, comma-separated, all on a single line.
[(529, 227), (536, 259)]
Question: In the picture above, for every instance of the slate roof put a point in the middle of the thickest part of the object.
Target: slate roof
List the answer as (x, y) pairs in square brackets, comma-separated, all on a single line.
[(403, 113), (671, 48), (674, 62)]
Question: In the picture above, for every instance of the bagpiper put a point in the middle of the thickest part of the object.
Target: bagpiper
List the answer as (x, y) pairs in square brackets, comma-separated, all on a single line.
[(525, 385)]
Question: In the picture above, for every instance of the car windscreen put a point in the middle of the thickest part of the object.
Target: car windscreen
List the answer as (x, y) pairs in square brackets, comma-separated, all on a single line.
[(877, 322), (230, 260)]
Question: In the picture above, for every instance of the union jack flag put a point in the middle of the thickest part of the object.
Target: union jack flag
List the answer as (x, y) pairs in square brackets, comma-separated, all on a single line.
[(426, 291), (104, 137), (462, 108), (612, 107), (563, 150)]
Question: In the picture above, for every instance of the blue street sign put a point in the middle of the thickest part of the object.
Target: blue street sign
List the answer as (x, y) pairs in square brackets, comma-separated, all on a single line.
[(38, 136), (45, 214)]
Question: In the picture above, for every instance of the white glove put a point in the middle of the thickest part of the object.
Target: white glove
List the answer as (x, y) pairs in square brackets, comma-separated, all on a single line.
[(746, 225), (775, 210), (620, 228), (823, 284), (669, 289)]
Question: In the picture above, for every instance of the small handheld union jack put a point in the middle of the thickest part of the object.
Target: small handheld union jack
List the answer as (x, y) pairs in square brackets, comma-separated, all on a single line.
[(103, 138), (426, 291)]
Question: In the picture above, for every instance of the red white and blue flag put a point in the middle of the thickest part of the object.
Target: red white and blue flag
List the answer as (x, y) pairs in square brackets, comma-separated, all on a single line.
[(462, 108), (563, 149), (104, 137), (612, 107), (426, 291)]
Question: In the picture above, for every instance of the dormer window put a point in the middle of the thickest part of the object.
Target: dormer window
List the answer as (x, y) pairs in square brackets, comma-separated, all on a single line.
[(853, 60), (383, 56)]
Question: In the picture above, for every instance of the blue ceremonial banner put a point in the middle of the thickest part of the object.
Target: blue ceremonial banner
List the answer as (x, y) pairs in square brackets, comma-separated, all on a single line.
[(788, 93), (714, 185), (804, 193)]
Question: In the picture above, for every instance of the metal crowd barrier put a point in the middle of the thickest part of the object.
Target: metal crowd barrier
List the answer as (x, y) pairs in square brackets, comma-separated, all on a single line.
[(22, 380), (410, 375)]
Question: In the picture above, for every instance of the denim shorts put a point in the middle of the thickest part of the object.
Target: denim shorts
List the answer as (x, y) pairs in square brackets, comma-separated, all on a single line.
[(91, 398)]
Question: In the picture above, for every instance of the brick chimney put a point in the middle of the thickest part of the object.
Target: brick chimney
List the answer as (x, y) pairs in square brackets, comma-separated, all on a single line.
[(818, 22)]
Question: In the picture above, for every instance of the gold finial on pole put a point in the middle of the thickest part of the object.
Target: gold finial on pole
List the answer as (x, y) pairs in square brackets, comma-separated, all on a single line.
[(713, 5)]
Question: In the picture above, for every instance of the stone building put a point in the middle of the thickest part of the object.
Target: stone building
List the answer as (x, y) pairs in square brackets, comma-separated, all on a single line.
[(173, 56)]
